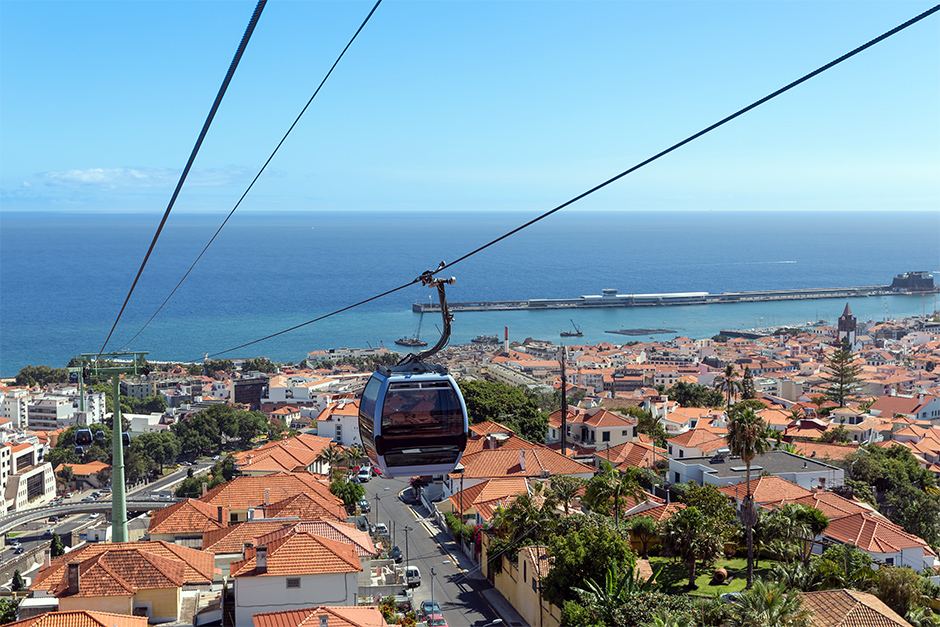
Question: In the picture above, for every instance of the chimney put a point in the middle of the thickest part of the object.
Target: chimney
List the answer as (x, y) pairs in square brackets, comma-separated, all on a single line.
[(73, 578), (205, 490), (47, 557), (267, 497), (506, 341), (522, 460), (261, 559), (247, 546), (490, 442), (220, 515), (324, 619)]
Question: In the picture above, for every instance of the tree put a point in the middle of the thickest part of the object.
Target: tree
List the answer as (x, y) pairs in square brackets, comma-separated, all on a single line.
[(65, 475), (56, 547), (795, 526), (487, 400), (839, 435), (610, 490), (845, 566), (768, 604), (349, 493), (899, 587), (332, 455), (41, 376), (565, 489), (200, 433), (18, 584), (691, 536), (581, 547), (695, 395), (843, 377), (8, 609), (644, 529), (727, 382), (648, 424), (748, 391), (748, 437), (715, 505)]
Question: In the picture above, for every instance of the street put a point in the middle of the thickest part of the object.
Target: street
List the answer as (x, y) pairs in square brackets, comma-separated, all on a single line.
[(457, 592)]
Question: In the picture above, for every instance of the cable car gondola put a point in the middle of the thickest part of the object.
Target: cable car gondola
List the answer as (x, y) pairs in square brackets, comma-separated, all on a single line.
[(412, 417), (99, 435), (79, 450), (125, 438), (83, 437)]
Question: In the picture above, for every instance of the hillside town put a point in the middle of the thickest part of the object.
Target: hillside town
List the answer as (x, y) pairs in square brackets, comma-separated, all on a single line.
[(648, 483)]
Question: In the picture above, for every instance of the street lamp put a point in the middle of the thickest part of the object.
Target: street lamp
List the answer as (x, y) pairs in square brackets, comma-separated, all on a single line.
[(377, 499), (432, 586), (407, 561)]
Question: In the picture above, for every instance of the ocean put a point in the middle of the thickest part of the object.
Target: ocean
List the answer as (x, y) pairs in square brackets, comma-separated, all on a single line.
[(64, 276)]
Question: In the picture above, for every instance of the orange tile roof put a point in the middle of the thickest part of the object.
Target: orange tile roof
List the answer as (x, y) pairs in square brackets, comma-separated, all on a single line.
[(359, 616), (199, 566), (661, 512), (490, 426), (503, 462), (244, 492), (188, 516), (766, 489), (490, 491), (81, 618), (306, 507), (340, 532), (871, 534), (820, 450), (297, 553), (122, 572), (849, 608), (232, 539), (84, 469), (698, 437), (829, 503)]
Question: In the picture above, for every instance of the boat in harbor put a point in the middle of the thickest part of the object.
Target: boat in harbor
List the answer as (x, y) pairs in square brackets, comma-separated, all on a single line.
[(485, 339), (411, 342), (576, 333)]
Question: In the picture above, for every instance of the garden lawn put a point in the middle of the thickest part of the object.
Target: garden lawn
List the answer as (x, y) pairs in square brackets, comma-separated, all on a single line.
[(675, 578)]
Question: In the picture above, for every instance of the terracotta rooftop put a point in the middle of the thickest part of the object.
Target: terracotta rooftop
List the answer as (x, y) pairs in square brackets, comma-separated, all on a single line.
[(244, 492), (503, 462), (491, 490), (661, 512), (829, 503), (232, 539), (306, 507), (766, 489), (199, 566), (81, 618), (340, 532), (849, 608), (297, 553), (122, 572), (188, 516), (359, 616), (871, 534)]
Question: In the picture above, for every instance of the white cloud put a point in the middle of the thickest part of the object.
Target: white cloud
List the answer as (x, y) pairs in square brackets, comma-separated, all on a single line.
[(141, 178)]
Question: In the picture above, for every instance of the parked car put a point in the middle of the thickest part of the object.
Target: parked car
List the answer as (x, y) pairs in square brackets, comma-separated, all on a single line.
[(53, 519), (436, 620), (364, 506), (381, 529), (412, 576), (428, 608), (68, 495), (95, 495), (365, 473), (395, 554), (95, 515), (47, 533), (87, 499), (19, 550)]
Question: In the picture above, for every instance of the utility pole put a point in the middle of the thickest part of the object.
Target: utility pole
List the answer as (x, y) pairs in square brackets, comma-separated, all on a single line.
[(564, 402), (407, 560), (377, 499), (90, 368)]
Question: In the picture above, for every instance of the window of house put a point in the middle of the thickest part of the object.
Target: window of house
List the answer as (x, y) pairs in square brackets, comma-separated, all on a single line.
[(605, 436), (634, 432), (625, 432), (681, 453), (889, 561), (293, 582), (677, 478), (533, 584), (525, 570)]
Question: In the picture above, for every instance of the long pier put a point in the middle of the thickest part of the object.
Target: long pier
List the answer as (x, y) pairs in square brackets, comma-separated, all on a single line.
[(610, 298)]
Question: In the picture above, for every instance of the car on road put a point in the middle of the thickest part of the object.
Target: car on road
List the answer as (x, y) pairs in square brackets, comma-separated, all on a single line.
[(412, 576), (68, 495), (87, 499), (395, 554), (365, 473), (19, 550), (47, 533), (95, 495), (53, 519), (95, 515), (364, 506), (381, 529), (428, 608), (436, 620)]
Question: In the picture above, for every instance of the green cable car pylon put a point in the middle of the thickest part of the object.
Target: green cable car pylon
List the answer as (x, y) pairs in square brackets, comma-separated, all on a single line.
[(90, 369)]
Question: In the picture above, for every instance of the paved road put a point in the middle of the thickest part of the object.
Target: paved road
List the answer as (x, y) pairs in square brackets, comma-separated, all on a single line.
[(457, 592)]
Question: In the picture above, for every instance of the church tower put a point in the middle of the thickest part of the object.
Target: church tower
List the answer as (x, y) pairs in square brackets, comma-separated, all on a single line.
[(847, 324)]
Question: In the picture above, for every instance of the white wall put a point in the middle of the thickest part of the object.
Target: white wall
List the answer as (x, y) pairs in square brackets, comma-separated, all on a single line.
[(270, 593)]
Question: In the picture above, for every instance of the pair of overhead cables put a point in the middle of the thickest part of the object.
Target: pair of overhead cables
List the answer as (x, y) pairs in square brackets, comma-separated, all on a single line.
[(225, 83), (444, 265)]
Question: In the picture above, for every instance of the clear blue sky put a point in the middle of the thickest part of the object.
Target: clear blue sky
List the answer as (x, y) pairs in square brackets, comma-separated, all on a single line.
[(485, 105)]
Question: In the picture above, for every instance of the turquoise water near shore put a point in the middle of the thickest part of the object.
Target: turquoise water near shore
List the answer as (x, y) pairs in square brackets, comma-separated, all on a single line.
[(63, 277)]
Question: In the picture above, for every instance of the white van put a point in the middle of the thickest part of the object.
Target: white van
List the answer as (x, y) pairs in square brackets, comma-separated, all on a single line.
[(412, 576)]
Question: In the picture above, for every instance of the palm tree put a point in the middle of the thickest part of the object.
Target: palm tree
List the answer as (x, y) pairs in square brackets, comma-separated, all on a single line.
[(611, 488), (644, 529), (565, 489), (768, 604), (747, 437), (526, 518), (352, 455), (728, 383), (693, 537), (332, 455)]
